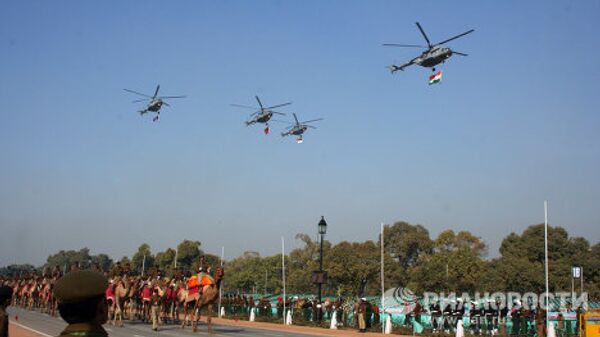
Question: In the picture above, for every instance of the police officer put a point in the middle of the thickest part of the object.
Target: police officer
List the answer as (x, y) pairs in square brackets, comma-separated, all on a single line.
[(436, 312), (447, 318), (458, 313), (82, 303)]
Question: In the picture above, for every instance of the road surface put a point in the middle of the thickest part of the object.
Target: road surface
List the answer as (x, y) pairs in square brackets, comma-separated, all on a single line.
[(47, 326)]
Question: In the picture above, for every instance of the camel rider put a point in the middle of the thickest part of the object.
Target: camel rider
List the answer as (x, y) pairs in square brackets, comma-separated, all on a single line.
[(203, 266), (204, 277)]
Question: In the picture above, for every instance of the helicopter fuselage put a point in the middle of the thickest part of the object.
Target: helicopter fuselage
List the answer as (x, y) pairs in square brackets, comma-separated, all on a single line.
[(154, 105), (297, 130), (433, 57), (262, 117)]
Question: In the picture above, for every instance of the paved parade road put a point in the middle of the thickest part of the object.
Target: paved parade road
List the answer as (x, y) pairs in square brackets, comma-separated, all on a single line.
[(51, 326)]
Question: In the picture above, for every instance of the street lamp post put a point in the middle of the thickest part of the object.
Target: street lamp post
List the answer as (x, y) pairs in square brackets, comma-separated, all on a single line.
[(322, 232)]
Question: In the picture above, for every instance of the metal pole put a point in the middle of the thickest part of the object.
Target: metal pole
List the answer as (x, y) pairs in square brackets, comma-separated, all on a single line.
[(572, 287), (382, 309), (581, 280), (176, 251), (321, 267), (283, 275), (546, 263), (143, 265), (221, 285)]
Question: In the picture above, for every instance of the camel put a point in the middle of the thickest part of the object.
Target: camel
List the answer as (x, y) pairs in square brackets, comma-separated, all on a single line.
[(181, 295), (48, 302), (208, 297), (122, 296), (32, 294)]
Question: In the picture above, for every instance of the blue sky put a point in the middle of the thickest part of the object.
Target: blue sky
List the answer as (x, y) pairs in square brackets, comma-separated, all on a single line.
[(510, 125)]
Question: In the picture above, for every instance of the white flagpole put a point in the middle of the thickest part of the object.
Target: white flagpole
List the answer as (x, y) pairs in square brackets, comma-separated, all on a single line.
[(283, 275), (176, 251), (382, 309), (143, 265), (221, 286), (546, 262)]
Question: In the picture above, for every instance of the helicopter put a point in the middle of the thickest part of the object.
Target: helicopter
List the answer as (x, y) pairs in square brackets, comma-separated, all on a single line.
[(155, 102), (262, 115), (299, 128), (434, 55)]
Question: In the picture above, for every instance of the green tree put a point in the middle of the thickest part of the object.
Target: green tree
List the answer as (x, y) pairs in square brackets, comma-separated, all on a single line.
[(103, 261), (65, 258), (456, 264), (165, 260), (354, 268), (521, 264), (244, 272), (16, 270), (406, 243), (143, 258), (188, 253), (303, 261)]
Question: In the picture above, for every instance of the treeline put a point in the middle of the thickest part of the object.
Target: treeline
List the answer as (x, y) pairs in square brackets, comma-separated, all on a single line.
[(450, 262)]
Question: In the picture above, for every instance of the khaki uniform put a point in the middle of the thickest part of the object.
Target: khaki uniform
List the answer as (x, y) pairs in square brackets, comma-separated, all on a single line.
[(155, 310), (362, 310), (84, 329)]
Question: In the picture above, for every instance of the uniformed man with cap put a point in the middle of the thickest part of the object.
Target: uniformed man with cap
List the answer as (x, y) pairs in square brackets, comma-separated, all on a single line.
[(436, 311), (6, 293), (82, 304)]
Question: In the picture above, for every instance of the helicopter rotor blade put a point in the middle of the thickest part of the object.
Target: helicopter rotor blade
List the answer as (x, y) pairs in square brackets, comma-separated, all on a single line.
[(137, 93), (244, 106), (141, 100), (312, 120), (279, 113), (296, 118), (403, 45), (156, 92), (311, 126), (424, 35), (163, 97), (456, 37), (461, 54), (259, 102), (279, 105), (167, 104)]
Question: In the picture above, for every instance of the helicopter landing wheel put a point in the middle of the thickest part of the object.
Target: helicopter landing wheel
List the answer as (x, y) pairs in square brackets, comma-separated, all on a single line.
[(433, 69)]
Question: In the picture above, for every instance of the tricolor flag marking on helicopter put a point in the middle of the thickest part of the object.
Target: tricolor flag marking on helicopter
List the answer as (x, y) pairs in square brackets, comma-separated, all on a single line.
[(435, 78)]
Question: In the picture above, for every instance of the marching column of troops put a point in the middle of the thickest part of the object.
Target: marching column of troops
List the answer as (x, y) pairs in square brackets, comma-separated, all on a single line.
[(149, 298), (161, 300)]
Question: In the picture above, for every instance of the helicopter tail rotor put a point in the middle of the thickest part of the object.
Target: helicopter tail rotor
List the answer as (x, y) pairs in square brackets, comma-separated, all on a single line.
[(393, 68)]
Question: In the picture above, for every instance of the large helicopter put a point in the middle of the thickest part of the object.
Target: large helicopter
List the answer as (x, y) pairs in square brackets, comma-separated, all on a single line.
[(434, 55), (299, 128), (263, 114), (155, 102)]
